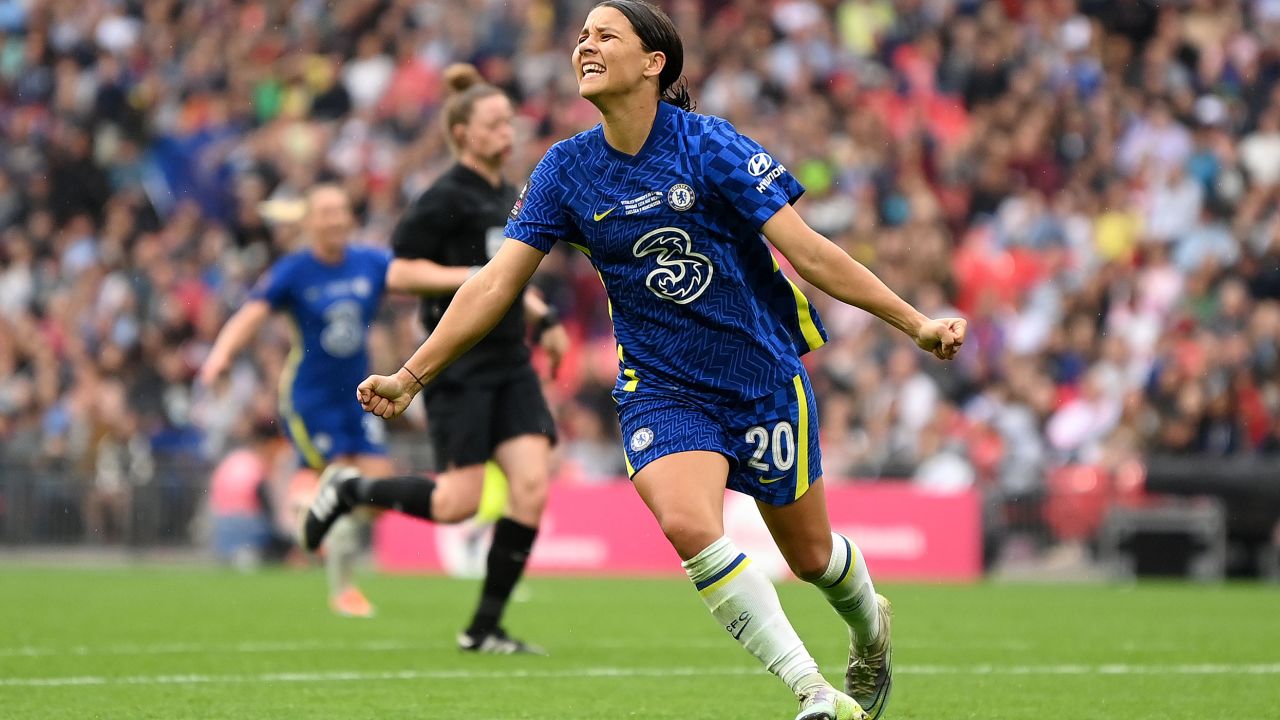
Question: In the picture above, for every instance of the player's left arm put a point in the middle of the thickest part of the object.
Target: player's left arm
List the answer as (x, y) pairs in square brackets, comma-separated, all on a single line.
[(477, 307), (829, 268)]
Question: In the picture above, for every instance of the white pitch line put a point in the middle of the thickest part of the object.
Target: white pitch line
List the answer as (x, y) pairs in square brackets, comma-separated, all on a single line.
[(303, 646), (622, 672), (283, 646), (360, 676), (1107, 669), (297, 646)]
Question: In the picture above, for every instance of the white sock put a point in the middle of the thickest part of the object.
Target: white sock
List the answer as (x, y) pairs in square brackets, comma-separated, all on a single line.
[(341, 548), (847, 586), (746, 604)]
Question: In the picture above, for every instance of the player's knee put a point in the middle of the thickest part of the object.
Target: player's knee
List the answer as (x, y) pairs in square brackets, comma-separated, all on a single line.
[(452, 512), (808, 566), (529, 491), (809, 569), (454, 502), (688, 532)]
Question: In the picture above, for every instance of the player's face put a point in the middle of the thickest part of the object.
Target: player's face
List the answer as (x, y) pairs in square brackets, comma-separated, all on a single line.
[(609, 59), (490, 132), (329, 220)]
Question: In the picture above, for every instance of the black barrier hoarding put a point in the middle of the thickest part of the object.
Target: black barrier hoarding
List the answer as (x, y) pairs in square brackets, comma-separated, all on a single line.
[(1250, 478)]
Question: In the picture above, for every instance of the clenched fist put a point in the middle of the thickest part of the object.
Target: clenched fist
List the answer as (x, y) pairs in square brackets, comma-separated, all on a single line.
[(386, 395), (942, 337)]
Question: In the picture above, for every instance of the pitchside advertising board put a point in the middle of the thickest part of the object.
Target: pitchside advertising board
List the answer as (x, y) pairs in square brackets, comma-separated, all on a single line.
[(906, 533)]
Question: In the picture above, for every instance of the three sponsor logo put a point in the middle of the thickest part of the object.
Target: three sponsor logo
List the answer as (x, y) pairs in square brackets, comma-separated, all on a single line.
[(681, 275)]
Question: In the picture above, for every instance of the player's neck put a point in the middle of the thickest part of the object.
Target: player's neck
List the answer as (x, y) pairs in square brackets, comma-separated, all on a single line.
[(328, 256), (628, 121), (492, 173)]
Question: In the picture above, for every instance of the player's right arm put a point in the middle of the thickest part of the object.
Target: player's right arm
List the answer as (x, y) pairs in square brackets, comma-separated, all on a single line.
[(273, 292), (537, 220), (425, 277), (234, 336), (476, 308)]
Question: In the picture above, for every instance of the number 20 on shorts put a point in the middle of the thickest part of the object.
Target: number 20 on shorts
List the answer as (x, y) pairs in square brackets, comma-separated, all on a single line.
[(781, 441)]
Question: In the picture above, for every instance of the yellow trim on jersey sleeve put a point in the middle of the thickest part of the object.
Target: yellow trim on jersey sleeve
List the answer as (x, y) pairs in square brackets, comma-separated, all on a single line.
[(297, 427), (804, 312), (583, 248), (802, 438), (631, 471)]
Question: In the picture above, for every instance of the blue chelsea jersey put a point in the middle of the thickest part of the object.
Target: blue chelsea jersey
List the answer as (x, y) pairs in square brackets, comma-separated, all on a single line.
[(332, 307), (698, 303)]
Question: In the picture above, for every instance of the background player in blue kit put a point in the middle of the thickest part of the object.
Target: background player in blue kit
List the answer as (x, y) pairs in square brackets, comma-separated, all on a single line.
[(490, 403), (330, 291), (670, 207)]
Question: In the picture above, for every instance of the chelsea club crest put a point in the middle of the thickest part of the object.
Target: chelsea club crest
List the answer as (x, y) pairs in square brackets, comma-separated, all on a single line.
[(641, 439), (680, 197)]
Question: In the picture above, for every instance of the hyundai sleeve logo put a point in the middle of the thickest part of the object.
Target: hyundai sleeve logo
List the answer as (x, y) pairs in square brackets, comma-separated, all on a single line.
[(759, 164)]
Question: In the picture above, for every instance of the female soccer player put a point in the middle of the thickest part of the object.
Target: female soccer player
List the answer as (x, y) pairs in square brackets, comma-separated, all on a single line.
[(670, 207), (489, 403), (330, 291)]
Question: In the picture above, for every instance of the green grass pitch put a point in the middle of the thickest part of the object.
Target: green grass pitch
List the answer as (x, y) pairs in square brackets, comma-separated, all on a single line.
[(205, 643)]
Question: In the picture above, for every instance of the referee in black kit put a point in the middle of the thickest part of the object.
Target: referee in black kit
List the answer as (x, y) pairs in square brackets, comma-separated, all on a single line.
[(489, 403)]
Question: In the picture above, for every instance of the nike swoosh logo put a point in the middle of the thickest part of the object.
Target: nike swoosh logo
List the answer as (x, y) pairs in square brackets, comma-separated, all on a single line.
[(769, 481), (600, 216)]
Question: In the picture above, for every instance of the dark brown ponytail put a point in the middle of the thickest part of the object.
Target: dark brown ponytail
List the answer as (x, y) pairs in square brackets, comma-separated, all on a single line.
[(466, 87)]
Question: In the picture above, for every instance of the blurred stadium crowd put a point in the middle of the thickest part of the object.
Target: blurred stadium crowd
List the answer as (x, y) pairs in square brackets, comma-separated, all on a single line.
[(1094, 183)]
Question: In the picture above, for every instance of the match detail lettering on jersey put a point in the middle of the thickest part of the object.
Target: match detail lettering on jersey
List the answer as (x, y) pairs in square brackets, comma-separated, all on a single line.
[(637, 205)]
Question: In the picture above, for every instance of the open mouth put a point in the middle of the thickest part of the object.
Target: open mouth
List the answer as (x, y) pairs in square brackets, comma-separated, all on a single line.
[(592, 68)]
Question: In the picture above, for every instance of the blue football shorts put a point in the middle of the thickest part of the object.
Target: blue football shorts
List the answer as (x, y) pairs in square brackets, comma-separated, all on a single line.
[(322, 431), (771, 442)]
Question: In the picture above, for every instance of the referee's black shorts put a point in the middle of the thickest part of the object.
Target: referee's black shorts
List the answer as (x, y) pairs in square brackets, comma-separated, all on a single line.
[(467, 421)]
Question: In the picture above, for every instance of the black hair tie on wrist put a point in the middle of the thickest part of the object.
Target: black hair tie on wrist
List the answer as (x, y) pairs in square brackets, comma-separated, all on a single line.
[(415, 377)]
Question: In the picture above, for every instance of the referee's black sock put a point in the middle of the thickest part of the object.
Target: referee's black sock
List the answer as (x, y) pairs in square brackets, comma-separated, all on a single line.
[(408, 494), (508, 554)]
